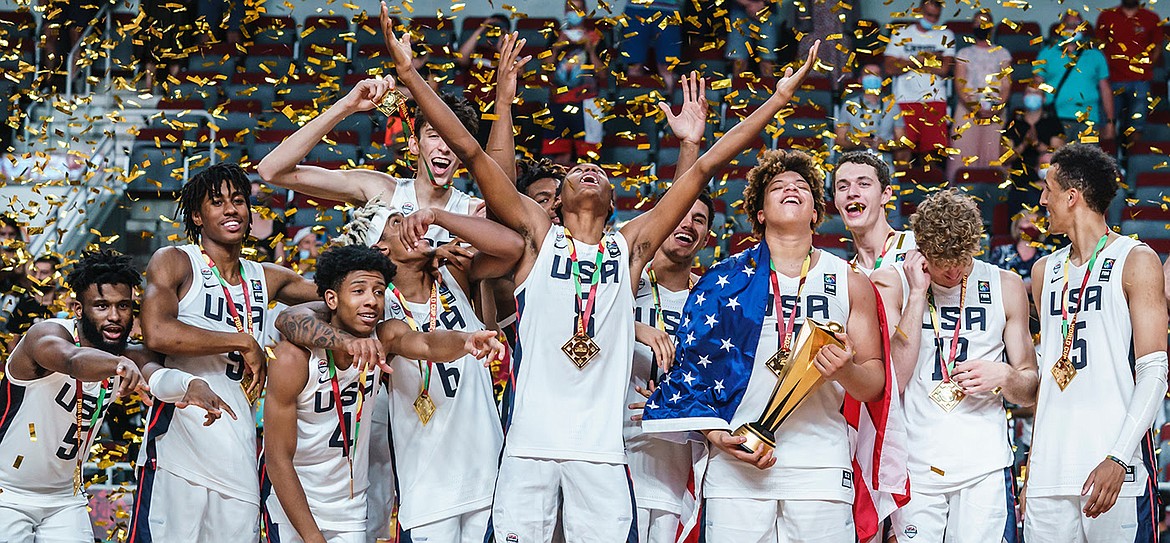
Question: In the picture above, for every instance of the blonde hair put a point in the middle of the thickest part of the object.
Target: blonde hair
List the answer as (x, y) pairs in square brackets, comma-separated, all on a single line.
[(947, 226)]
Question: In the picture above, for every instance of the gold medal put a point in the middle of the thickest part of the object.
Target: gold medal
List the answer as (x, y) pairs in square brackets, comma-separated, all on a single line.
[(424, 406), (580, 349), (778, 360), (389, 104), (245, 384), (947, 395), (1064, 371)]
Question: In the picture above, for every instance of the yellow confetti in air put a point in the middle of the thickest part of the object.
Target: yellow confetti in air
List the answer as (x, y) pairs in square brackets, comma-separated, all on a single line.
[(32, 432), (18, 462)]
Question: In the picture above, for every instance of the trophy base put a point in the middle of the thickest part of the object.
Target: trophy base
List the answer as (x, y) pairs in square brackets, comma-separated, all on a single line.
[(757, 436)]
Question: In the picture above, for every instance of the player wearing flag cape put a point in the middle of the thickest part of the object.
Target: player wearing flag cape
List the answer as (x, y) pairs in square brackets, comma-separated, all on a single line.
[(861, 190), (57, 388), (960, 338), (575, 289), (1103, 366), (319, 398), (740, 313)]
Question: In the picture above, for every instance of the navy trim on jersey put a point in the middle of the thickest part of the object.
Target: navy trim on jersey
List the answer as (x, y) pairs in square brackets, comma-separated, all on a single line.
[(266, 492), (506, 409), (11, 397), (1011, 533), (490, 535), (1150, 500), (158, 426), (633, 537)]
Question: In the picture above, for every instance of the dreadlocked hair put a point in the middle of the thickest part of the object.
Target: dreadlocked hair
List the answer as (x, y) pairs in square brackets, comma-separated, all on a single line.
[(532, 171), (206, 184), (358, 228), (105, 267)]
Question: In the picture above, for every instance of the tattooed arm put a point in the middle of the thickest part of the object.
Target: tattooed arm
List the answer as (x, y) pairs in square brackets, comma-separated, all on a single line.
[(307, 325)]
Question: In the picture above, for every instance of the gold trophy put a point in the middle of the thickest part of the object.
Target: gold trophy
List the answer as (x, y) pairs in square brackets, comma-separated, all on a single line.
[(797, 381)]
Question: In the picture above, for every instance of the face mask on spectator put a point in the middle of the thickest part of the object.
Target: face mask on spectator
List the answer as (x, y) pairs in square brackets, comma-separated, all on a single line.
[(573, 18), (926, 25), (1032, 102), (1042, 173), (871, 82), (982, 34), (304, 254), (1031, 232)]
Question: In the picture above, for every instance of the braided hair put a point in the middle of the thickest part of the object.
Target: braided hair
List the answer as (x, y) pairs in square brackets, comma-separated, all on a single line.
[(105, 267), (206, 184)]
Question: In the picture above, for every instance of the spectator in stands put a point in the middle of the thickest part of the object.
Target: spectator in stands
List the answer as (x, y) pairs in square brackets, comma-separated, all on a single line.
[(646, 30), (267, 235), (1033, 135), (983, 84), (1077, 92), (165, 33), (223, 18), (756, 29), (1026, 248), (920, 57), (1131, 37), (575, 128), (478, 48), (870, 120), (19, 306), (306, 245), (46, 283)]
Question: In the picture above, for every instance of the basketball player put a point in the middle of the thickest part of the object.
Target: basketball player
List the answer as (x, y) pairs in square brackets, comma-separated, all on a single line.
[(445, 460), (306, 404), (41, 494), (803, 491), (960, 338), (659, 468), (205, 308), (1103, 377), (575, 287), (430, 187), (861, 190)]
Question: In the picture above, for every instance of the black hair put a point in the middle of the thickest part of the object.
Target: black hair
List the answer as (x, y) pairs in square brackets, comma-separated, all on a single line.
[(1090, 170), (467, 114), (55, 261), (10, 221), (706, 200), (506, 23), (338, 261), (532, 171), (206, 184), (869, 159), (105, 267)]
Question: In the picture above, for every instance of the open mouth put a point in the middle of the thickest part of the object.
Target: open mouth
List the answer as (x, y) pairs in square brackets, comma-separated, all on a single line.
[(791, 200), (854, 209), (590, 178), (113, 333), (441, 163), (232, 225), (684, 238), (368, 317)]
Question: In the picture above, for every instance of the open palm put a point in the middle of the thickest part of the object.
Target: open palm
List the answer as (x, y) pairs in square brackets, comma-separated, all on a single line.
[(787, 85), (690, 124), (399, 48)]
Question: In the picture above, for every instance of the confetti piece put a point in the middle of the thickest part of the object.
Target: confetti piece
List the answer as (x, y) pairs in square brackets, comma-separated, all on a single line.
[(18, 462), (32, 432)]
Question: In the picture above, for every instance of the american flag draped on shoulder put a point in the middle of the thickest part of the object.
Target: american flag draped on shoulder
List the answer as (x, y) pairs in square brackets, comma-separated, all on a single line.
[(716, 351)]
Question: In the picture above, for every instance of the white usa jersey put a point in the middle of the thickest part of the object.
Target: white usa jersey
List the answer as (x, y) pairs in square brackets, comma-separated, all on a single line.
[(405, 199), (448, 466), (1077, 427), (221, 457), (972, 439), (899, 243), (320, 460), (660, 468), (561, 412), (39, 441), (813, 461)]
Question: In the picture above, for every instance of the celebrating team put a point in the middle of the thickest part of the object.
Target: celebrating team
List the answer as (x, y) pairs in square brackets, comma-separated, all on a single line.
[(628, 373)]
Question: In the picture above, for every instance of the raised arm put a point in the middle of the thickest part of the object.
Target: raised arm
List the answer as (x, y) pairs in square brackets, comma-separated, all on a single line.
[(282, 166), (499, 248), (517, 212), (438, 345), (501, 145), (690, 125), (647, 232), (906, 339)]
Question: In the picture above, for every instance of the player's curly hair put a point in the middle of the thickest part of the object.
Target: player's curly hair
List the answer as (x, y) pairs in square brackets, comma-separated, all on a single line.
[(774, 163), (105, 267), (947, 226), (1090, 170), (467, 114), (532, 171), (336, 262), (207, 183)]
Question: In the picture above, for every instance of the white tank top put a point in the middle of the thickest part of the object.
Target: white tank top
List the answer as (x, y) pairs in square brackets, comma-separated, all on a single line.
[(971, 440), (561, 412), (319, 460), (222, 456), (813, 460), (38, 433), (660, 468), (448, 466), (1077, 427), (901, 242), (406, 200)]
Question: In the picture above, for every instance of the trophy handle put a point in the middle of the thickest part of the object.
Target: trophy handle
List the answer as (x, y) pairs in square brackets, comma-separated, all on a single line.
[(757, 436)]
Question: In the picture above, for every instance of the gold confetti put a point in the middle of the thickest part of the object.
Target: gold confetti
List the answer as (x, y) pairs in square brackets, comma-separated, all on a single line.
[(18, 462), (32, 432)]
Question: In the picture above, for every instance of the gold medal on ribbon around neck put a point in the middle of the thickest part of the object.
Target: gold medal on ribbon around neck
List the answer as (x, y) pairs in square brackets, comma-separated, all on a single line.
[(947, 395), (424, 406), (1064, 371), (390, 103), (581, 349), (777, 361)]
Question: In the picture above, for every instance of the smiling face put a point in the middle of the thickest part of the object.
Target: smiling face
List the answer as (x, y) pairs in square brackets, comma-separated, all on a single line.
[(788, 203), (859, 196), (224, 217), (434, 153), (587, 186), (107, 315), (358, 304), (1057, 201), (689, 236)]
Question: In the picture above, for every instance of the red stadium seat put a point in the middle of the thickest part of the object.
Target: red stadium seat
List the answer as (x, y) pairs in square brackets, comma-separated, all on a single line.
[(979, 176), (1153, 179)]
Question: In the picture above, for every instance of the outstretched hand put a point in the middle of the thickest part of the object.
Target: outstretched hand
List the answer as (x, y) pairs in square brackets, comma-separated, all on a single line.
[(510, 67), (691, 123), (399, 48), (787, 85)]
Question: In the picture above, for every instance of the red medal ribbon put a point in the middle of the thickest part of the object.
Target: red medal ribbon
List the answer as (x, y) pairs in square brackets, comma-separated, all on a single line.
[(785, 335)]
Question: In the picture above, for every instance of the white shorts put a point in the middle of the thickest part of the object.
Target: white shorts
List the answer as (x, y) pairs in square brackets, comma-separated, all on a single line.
[(285, 533), (380, 494), (660, 470), (1060, 519), (470, 527), (36, 524), (744, 520), (982, 511), (598, 501), (656, 526), (178, 511)]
